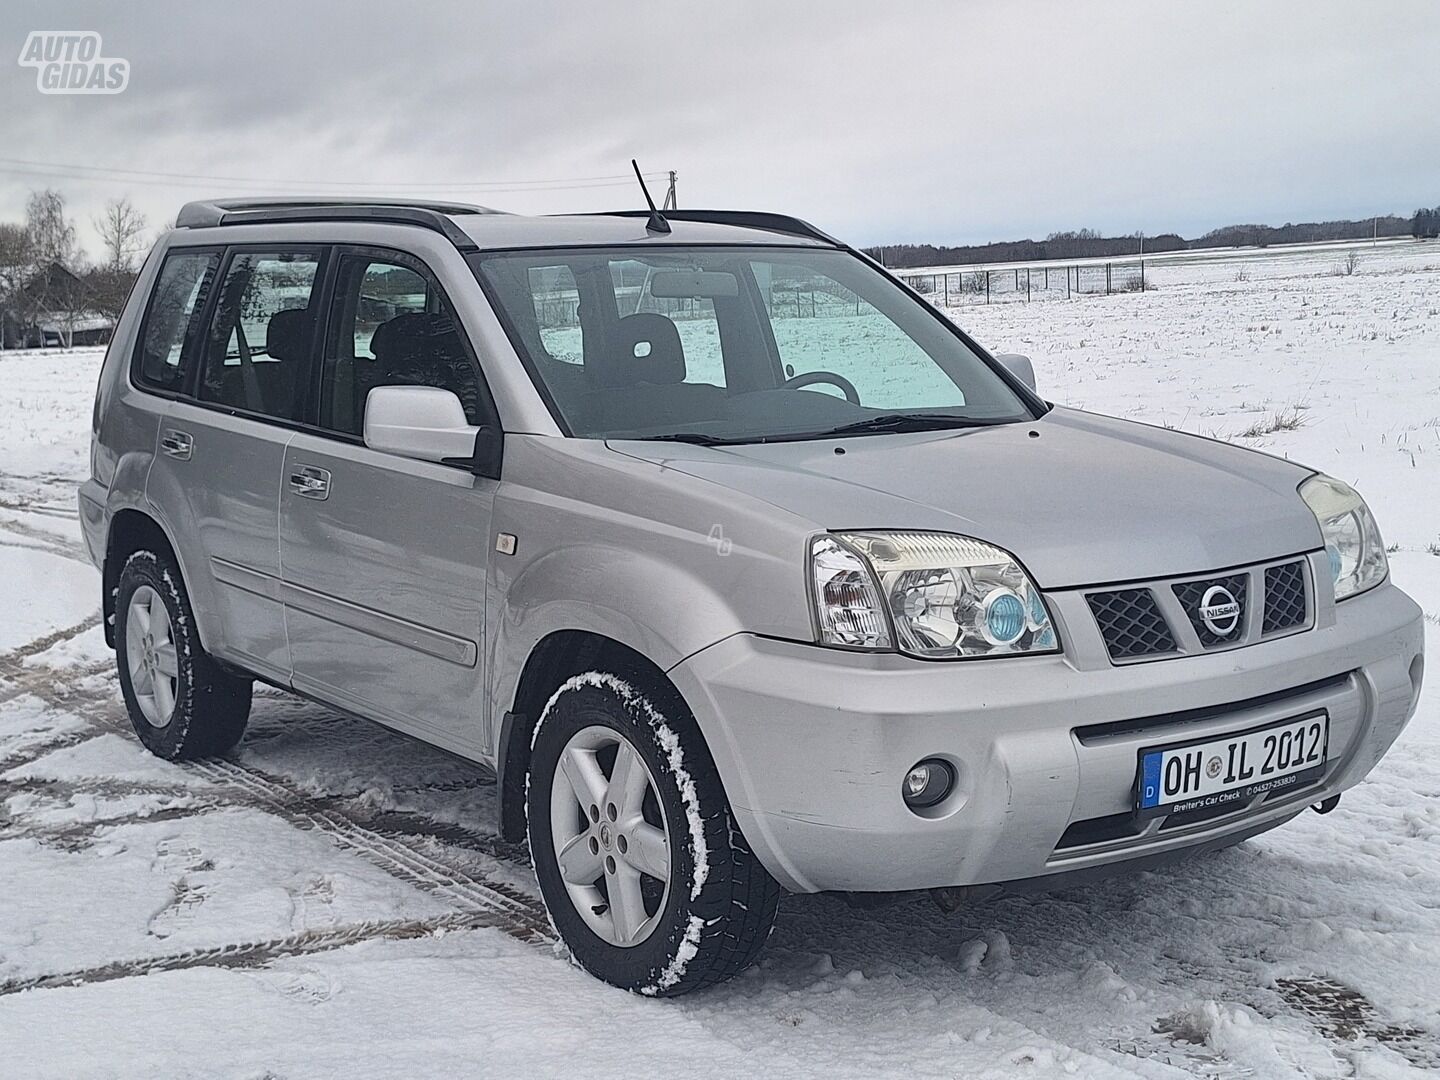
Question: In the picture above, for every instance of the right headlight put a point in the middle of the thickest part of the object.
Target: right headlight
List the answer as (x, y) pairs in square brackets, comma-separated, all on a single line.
[(1352, 539), (931, 595)]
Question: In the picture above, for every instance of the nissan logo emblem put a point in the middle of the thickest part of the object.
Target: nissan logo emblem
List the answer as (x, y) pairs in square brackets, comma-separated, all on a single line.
[(1220, 611)]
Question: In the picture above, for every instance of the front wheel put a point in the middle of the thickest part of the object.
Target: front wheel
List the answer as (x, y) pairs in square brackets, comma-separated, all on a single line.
[(646, 877)]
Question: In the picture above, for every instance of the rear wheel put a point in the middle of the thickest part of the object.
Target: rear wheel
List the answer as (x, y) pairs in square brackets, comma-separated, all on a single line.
[(645, 875), (182, 704)]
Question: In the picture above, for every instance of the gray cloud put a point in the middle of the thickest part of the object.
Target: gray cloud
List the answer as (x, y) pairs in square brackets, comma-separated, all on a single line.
[(947, 122)]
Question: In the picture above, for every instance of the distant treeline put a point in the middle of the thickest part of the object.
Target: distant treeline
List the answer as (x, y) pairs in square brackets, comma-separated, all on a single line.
[(1089, 244)]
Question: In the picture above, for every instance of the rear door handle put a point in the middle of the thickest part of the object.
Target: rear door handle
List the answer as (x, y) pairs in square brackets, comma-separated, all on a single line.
[(177, 444), (310, 482)]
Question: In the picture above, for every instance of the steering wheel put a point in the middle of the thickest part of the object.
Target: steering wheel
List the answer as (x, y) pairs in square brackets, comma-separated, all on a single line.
[(810, 377)]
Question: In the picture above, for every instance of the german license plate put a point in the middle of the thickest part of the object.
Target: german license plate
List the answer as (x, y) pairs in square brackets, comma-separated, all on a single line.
[(1230, 769)]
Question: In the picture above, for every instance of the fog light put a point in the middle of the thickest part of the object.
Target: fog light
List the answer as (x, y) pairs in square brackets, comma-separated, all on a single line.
[(927, 783)]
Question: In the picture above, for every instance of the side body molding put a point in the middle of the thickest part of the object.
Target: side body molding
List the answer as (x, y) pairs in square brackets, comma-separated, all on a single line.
[(378, 624)]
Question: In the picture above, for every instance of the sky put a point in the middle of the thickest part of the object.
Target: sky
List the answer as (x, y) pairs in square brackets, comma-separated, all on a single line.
[(949, 121)]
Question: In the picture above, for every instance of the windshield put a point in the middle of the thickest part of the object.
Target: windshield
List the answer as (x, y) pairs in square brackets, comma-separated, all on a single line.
[(735, 345)]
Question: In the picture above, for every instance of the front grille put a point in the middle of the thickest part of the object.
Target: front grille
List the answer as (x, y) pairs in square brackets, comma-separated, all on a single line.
[(1156, 620), (1191, 595), (1131, 623), (1285, 603)]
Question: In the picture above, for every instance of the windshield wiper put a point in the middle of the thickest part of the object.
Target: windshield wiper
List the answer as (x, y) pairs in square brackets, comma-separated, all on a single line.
[(902, 422), (886, 423), (696, 438)]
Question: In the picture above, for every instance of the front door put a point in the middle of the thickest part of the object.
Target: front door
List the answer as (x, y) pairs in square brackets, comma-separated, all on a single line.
[(383, 557)]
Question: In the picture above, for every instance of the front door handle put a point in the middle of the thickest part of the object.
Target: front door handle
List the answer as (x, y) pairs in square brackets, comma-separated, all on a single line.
[(310, 482), (177, 444)]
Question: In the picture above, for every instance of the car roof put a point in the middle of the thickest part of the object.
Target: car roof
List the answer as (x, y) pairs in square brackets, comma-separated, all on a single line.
[(509, 231), (479, 228)]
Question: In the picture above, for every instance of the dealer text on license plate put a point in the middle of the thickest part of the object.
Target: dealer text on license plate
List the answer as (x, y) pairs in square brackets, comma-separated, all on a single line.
[(1232, 768)]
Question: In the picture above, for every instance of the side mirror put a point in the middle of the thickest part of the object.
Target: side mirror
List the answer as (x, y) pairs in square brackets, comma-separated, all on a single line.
[(422, 422), (1019, 366)]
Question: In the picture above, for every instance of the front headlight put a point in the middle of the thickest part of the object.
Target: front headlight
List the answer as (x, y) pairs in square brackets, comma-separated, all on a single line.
[(1352, 539), (944, 596)]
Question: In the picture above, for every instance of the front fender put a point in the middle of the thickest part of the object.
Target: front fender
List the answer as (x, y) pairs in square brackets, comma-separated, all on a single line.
[(657, 609), (648, 556)]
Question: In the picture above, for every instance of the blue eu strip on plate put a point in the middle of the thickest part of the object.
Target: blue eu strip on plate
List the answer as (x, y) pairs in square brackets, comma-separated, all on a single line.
[(1150, 779)]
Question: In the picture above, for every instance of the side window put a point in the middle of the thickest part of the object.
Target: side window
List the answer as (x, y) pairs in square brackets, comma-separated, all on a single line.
[(390, 326), (694, 318), (556, 298), (820, 325), (179, 292), (257, 350), (383, 291)]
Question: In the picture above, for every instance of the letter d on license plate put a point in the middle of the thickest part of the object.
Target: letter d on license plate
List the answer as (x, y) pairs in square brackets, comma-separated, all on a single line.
[(1232, 769)]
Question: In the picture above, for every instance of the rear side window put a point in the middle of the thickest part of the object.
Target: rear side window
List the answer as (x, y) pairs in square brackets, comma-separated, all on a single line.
[(179, 293), (257, 349)]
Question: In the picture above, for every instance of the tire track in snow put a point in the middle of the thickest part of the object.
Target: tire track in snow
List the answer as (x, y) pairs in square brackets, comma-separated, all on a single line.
[(39, 645), (396, 851), (412, 848), (258, 953), (44, 540)]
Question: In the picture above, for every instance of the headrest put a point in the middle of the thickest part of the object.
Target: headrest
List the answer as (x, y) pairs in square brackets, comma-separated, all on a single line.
[(647, 350), (413, 335), (287, 335)]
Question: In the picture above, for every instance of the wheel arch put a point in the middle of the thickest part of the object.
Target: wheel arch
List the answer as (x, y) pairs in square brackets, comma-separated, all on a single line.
[(131, 530), (555, 658)]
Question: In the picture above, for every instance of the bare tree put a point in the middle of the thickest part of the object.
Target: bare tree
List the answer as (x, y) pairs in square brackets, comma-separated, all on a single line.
[(74, 300), (52, 234), (122, 238), (51, 237), (17, 263), (122, 235), (51, 289)]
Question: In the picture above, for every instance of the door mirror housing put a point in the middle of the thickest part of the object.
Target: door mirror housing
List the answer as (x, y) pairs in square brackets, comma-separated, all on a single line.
[(1019, 366), (421, 422)]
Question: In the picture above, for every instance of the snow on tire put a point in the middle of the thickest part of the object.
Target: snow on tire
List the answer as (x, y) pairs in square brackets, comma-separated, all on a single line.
[(182, 704), (645, 875)]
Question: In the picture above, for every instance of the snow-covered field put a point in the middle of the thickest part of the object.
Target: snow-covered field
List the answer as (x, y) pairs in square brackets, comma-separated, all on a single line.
[(333, 902)]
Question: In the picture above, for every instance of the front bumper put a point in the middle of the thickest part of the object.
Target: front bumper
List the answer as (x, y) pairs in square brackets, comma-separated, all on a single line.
[(812, 745)]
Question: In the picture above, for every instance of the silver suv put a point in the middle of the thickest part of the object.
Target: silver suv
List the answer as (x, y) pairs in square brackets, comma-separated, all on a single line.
[(741, 566)]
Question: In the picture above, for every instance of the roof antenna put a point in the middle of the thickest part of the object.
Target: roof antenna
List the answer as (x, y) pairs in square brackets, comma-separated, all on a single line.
[(657, 222)]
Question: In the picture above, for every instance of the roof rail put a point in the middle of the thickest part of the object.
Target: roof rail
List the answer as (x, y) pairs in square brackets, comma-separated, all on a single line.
[(750, 219), (434, 216)]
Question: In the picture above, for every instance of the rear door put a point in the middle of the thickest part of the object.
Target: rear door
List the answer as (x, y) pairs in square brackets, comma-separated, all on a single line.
[(222, 446), (383, 557)]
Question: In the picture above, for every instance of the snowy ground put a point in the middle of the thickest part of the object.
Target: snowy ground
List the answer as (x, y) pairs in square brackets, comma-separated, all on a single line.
[(333, 901)]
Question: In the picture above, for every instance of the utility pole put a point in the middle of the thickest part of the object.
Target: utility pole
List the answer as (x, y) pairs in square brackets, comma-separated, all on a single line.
[(670, 197)]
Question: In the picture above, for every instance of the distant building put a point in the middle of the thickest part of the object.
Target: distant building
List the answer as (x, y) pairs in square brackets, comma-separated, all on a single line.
[(51, 310)]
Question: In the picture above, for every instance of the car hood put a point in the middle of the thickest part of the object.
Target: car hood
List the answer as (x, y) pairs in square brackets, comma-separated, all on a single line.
[(1079, 499)]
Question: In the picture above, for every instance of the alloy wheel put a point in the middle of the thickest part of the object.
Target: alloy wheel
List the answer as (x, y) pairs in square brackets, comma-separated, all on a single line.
[(150, 656), (610, 836)]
